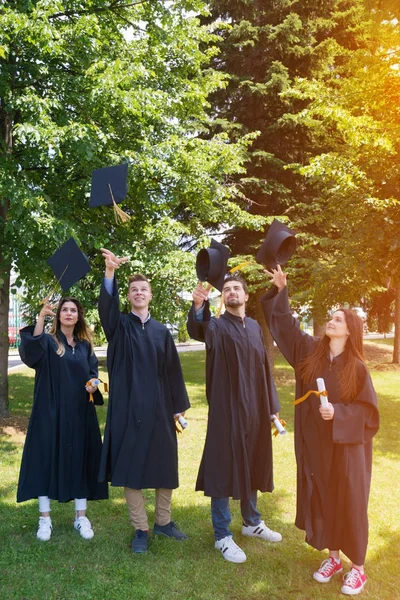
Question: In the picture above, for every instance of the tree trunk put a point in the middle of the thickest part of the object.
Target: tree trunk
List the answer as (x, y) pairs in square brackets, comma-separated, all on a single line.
[(6, 128), (4, 305), (318, 328), (396, 343)]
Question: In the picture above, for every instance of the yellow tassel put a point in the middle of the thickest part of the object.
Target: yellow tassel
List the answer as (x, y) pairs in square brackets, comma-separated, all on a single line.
[(239, 266), (53, 291), (120, 215), (316, 392), (96, 381), (221, 302)]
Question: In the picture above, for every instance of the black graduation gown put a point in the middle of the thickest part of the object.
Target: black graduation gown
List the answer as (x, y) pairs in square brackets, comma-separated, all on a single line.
[(241, 394), (334, 458), (146, 390), (63, 444)]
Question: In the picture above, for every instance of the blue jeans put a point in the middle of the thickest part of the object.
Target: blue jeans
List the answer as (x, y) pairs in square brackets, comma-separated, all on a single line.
[(221, 515)]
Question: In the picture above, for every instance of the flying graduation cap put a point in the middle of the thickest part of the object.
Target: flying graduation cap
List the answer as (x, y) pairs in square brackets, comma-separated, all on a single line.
[(211, 264), (278, 246), (69, 265), (109, 187)]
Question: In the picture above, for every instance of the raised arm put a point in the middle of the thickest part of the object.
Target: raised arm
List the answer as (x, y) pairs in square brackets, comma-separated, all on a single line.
[(109, 300), (199, 313), (284, 327), (46, 311), (33, 343)]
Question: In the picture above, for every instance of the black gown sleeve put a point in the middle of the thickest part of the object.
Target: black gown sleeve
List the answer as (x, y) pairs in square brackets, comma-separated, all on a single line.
[(180, 400), (109, 310), (284, 327), (94, 373), (274, 404), (32, 348), (198, 329), (358, 421)]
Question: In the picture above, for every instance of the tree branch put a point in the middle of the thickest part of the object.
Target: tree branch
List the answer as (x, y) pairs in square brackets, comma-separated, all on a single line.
[(113, 6)]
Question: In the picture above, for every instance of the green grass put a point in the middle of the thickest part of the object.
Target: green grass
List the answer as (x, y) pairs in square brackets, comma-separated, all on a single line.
[(69, 568), (382, 340)]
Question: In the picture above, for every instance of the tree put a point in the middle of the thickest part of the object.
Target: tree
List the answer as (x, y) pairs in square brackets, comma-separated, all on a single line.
[(265, 48), (319, 81), (86, 85), (358, 178)]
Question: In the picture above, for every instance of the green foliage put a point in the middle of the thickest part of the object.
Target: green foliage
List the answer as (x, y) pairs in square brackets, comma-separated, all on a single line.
[(85, 86), (320, 82), (183, 335)]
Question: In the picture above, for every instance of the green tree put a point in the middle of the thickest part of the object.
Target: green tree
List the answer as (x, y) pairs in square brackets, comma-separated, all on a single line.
[(319, 81), (357, 178), (86, 85)]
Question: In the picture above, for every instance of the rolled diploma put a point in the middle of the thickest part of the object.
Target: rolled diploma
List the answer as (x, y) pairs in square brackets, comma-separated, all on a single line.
[(322, 388), (182, 421), (279, 426)]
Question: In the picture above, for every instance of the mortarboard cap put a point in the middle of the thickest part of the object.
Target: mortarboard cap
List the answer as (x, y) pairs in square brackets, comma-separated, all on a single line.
[(278, 246), (109, 187), (211, 264), (69, 264)]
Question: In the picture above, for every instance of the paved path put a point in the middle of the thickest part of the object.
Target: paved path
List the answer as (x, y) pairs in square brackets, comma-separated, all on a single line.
[(14, 360)]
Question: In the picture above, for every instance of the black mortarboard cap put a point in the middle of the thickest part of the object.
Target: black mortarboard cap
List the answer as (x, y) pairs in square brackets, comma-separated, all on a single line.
[(69, 264), (211, 264), (278, 246), (102, 179)]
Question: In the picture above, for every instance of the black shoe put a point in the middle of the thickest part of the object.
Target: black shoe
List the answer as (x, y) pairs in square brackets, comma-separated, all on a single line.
[(170, 530), (140, 542)]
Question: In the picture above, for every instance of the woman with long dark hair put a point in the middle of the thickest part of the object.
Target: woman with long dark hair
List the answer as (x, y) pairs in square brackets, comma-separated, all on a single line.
[(63, 444), (333, 444)]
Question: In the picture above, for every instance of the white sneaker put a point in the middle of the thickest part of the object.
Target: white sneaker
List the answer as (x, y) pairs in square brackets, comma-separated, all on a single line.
[(44, 530), (82, 524), (261, 531), (229, 550)]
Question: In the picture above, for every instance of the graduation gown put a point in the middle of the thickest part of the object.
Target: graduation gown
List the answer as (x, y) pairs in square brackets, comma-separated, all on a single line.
[(334, 458), (241, 394), (146, 390), (62, 449)]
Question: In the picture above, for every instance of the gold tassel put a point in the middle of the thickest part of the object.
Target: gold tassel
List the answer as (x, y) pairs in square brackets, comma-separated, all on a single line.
[(221, 302), (96, 381), (120, 215), (316, 392), (53, 291), (239, 266), (276, 432)]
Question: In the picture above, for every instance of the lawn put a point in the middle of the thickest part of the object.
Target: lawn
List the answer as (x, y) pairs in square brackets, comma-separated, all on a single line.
[(69, 568)]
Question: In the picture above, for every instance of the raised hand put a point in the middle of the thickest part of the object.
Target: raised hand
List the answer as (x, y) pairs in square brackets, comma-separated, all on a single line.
[(277, 277), (200, 295), (47, 311), (112, 262)]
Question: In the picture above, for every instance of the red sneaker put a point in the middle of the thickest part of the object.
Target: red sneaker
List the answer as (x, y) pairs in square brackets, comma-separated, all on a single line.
[(354, 582), (327, 570)]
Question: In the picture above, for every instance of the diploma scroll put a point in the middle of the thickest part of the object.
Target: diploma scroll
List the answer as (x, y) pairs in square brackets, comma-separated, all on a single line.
[(322, 388), (180, 423), (278, 425)]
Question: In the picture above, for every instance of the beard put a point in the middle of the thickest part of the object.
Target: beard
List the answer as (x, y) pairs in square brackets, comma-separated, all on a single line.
[(234, 302)]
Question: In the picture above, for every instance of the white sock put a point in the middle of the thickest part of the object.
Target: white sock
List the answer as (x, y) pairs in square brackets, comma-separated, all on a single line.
[(80, 504), (44, 504)]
